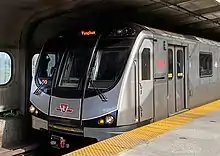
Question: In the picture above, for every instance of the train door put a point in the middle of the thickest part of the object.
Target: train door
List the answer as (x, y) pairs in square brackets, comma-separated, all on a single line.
[(66, 97), (176, 79), (145, 80)]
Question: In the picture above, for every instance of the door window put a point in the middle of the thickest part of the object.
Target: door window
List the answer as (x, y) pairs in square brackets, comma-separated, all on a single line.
[(170, 63), (180, 63), (145, 57)]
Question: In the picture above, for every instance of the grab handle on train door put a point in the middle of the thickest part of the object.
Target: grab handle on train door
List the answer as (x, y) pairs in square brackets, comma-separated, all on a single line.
[(141, 88)]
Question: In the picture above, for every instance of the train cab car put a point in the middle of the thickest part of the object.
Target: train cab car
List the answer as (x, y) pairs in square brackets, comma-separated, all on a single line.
[(98, 83)]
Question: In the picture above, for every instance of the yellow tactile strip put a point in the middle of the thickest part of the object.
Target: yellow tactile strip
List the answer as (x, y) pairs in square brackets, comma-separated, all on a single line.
[(128, 140)]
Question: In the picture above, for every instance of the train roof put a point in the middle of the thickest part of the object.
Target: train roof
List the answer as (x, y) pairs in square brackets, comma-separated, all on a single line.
[(182, 37)]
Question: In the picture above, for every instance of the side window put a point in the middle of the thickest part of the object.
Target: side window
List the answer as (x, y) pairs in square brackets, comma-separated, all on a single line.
[(205, 64), (34, 61), (5, 68), (145, 56), (170, 63)]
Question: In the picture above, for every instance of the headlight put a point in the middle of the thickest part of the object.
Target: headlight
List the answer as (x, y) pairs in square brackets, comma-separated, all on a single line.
[(109, 119), (36, 112), (32, 109)]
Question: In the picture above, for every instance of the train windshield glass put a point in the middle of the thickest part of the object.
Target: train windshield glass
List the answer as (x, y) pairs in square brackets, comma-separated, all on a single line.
[(47, 64), (110, 60), (76, 63), (111, 55), (48, 61)]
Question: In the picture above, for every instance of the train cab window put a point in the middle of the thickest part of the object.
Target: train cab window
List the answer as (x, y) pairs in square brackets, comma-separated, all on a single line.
[(5, 68), (47, 64), (145, 56), (34, 62), (205, 64), (110, 62), (46, 69), (48, 60), (170, 63), (74, 68)]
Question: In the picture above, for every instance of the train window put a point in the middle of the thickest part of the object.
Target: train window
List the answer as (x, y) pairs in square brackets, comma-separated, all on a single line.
[(108, 65), (170, 63), (180, 63), (47, 64), (74, 68), (145, 56), (49, 58), (34, 61), (110, 61), (205, 64), (5, 68)]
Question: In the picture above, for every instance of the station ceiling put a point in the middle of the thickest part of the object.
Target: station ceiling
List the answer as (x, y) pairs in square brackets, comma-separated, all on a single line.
[(195, 17)]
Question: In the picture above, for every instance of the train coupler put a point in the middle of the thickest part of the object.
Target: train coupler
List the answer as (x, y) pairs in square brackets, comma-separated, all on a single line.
[(58, 142)]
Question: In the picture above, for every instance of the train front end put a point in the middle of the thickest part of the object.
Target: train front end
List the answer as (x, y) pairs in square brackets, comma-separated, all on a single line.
[(77, 85)]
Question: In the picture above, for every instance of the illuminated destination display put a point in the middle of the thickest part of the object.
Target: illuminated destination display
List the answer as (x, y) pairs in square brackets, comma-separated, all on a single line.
[(88, 33)]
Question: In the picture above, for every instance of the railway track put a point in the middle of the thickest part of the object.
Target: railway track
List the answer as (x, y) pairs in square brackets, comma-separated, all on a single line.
[(43, 148)]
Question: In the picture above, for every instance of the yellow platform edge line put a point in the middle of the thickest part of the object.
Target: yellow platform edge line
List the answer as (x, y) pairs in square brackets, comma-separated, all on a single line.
[(128, 140)]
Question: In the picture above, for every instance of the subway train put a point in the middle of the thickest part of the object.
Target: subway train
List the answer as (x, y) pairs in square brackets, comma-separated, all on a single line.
[(100, 82)]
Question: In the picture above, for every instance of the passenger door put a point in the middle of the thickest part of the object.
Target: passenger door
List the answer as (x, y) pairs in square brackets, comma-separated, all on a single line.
[(176, 79), (145, 80)]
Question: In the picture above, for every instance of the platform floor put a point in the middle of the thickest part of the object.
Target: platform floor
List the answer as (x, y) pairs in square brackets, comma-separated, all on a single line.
[(201, 137), (195, 132), (23, 150)]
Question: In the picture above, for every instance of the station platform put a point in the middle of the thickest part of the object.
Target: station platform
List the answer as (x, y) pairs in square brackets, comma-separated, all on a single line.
[(195, 132)]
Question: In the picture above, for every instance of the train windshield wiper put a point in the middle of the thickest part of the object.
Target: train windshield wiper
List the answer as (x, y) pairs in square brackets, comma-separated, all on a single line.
[(100, 94)]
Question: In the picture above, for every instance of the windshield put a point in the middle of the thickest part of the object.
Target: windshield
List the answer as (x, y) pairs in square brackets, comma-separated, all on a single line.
[(47, 64), (68, 57), (49, 58), (110, 60), (76, 63)]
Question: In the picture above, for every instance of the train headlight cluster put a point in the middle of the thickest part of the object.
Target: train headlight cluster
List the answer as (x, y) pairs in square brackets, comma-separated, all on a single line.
[(33, 110), (108, 120)]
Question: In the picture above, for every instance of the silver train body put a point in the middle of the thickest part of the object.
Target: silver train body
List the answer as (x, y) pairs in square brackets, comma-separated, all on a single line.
[(149, 75)]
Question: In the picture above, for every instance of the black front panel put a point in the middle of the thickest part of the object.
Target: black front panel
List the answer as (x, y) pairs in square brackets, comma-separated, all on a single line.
[(64, 122)]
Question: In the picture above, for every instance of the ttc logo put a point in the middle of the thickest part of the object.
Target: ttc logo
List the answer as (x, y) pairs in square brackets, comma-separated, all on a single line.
[(64, 108)]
